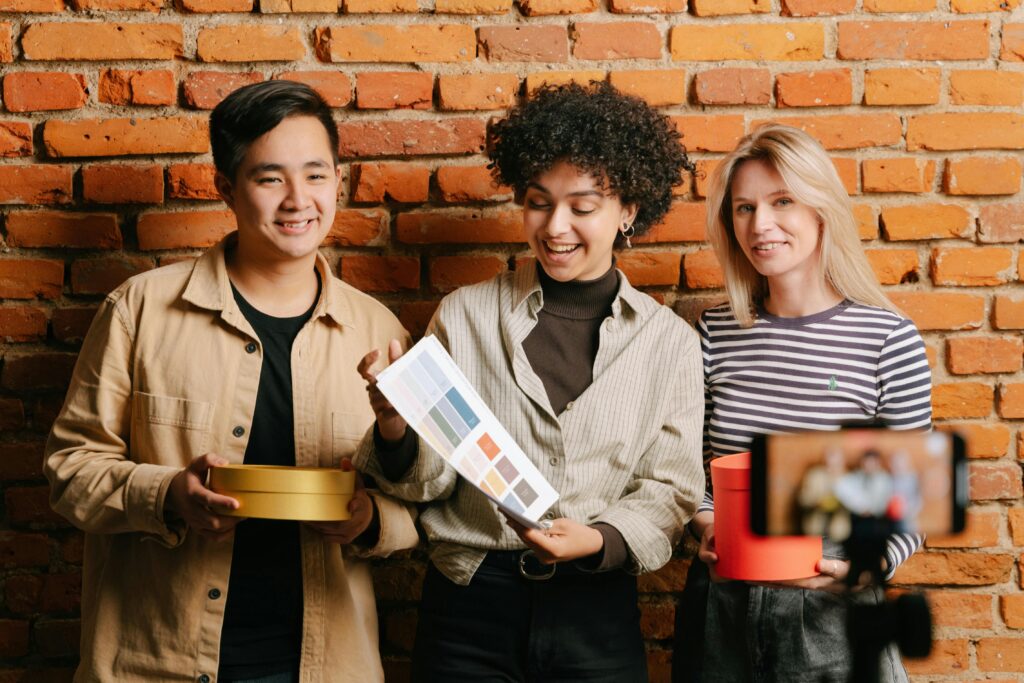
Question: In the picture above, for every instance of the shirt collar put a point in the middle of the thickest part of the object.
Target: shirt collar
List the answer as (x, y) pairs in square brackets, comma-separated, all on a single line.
[(526, 287), (209, 286)]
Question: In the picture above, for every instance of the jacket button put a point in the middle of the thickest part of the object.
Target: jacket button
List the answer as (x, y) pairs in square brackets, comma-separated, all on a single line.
[(238, 431), (214, 593), (250, 347), (203, 678)]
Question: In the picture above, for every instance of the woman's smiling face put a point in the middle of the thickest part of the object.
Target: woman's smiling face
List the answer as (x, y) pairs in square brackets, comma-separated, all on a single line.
[(571, 223)]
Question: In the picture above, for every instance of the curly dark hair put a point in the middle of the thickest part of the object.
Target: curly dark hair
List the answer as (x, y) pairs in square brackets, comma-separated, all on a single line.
[(627, 146)]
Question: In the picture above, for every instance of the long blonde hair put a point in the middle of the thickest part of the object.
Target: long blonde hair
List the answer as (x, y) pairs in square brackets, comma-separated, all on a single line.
[(812, 178)]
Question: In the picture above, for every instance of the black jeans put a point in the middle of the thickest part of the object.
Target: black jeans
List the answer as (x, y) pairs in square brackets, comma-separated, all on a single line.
[(575, 626)]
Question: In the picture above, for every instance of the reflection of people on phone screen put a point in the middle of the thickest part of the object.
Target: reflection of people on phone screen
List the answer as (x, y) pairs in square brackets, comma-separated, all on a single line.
[(821, 512), (905, 503), (865, 491)]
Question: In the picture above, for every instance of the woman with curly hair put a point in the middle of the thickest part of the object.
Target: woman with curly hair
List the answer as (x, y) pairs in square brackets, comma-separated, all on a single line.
[(598, 383)]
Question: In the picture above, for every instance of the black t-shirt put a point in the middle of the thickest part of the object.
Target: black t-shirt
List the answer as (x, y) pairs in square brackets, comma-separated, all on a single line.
[(262, 632)]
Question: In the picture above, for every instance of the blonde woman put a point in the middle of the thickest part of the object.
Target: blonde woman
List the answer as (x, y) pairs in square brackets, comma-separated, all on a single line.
[(807, 341)]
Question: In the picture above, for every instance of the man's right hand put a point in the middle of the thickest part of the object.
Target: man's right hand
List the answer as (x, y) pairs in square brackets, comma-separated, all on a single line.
[(189, 499), (390, 424)]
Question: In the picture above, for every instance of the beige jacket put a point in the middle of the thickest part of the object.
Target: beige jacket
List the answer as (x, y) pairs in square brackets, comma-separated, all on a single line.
[(168, 372)]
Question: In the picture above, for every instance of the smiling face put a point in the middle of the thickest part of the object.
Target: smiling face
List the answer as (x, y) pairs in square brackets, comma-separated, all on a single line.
[(284, 194), (571, 223), (780, 236)]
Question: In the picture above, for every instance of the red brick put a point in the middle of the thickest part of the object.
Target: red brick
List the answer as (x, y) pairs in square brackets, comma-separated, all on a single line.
[(1000, 654), (334, 87), (79, 40), (381, 273), (406, 137), (191, 181), (814, 8), (14, 637), (22, 278), (472, 6), (32, 6), (710, 133), (904, 174), (250, 43), (717, 8), (12, 418), (471, 227), (399, 582), (955, 569), (899, 5), (206, 89), (1012, 47), (379, 6), (967, 6), (536, 8), (913, 40), (21, 460), (61, 593), (63, 229), (120, 137), (616, 40), (394, 90), (58, 638), (982, 176), (19, 550), (103, 275), (792, 41), (960, 610), (849, 131), (70, 324), (1011, 608), (548, 43), (6, 42), (683, 223), (141, 88), (982, 130), (995, 481), (123, 183), (21, 594), (539, 79), (962, 400), (1001, 223), (116, 5), (15, 139), (458, 184), (893, 266), (183, 229), (32, 371), (210, 6), (401, 181), (733, 86), (701, 270), (659, 87), (889, 87), (415, 315), (926, 221), (451, 272), (43, 91), (412, 43), (467, 92), (1008, 313), (35, 184), (988, 88), (358, 228), (972, 266), (650, 269), (941, 310), (947, 656), (980, 531), (646, 6), (983, 440), (1016, 518), (1011, 401), (814, 88), (22, 323)]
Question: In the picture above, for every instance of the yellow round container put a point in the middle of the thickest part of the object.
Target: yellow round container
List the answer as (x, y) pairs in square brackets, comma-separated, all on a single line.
[(308, 494)]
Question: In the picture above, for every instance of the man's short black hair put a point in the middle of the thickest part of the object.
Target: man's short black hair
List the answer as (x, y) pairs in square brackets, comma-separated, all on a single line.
[(627, 146), (249, 112)]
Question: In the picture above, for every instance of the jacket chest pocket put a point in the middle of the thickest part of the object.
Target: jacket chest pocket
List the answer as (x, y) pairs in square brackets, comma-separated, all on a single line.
[(169, 430), (347, 430)]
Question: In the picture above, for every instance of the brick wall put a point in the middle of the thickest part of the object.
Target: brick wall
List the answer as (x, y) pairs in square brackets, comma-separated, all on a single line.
[(107, 173)]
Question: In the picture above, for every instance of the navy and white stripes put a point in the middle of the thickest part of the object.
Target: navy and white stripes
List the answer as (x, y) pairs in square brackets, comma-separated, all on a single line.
[(852, 364)]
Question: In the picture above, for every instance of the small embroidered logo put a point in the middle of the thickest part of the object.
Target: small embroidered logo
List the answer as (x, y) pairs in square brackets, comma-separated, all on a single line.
[(832, 383)]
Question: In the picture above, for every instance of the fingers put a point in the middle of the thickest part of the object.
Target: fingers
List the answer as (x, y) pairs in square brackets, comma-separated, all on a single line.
[(364, 366)]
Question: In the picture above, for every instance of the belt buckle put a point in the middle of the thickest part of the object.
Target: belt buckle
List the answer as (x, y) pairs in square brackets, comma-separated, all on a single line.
[(533, 577)]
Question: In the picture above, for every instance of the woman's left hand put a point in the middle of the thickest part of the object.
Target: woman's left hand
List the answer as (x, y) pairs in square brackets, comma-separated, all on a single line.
[(831, 577), (565, 541)]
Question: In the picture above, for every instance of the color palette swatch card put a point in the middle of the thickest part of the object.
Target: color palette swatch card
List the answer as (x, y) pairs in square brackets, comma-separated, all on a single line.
[(427, 388)]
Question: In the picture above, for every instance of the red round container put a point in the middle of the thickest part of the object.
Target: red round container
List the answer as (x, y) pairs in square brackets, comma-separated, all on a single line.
[(741, 554)]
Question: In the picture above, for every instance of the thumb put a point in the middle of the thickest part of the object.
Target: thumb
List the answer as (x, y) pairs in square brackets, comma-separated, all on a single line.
[(394, 350), (346, 466), (200, 465)]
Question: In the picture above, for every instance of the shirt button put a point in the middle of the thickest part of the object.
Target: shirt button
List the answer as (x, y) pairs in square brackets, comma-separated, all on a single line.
[(553, 460), (203, 678), (569, 405), (250, 347), (214, 593), (238, 431)]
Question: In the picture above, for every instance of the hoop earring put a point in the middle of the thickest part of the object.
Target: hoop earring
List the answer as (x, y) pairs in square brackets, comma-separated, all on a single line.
[(627, 231)]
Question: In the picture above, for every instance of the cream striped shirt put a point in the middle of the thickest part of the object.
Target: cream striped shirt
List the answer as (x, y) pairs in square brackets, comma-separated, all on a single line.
[(626, 452)]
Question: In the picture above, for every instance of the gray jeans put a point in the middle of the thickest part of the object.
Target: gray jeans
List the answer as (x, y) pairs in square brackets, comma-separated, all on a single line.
[(757, 634)]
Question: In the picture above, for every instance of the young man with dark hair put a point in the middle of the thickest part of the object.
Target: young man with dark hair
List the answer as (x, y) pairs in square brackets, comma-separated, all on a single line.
[(248, 354)]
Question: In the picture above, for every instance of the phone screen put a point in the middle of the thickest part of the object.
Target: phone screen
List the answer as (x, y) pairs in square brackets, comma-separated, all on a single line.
[(829, 483)]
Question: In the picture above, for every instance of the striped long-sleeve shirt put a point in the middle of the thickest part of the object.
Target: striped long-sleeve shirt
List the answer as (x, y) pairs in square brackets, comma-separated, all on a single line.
[(852, 364)]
